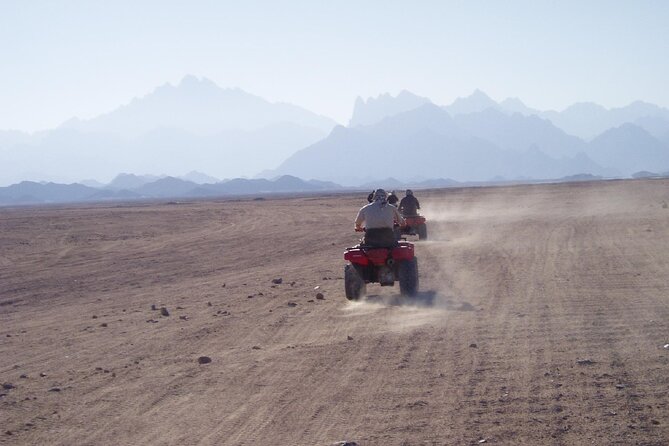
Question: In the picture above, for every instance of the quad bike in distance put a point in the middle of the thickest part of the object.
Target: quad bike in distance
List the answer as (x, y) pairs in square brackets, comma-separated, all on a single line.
[(383, 265), (415, 225)]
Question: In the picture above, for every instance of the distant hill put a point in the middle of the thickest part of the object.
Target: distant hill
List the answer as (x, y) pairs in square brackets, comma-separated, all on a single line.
[(629, 149), (28, 192)]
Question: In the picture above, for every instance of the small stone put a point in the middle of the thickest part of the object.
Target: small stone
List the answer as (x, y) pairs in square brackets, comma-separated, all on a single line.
[(104, 324), (473, 345), (8, 433), (317, 287), (292, 304), (320, 296), (256, 347), (250, 296), (95, 317), (153, 307), (666, 346), (277, 281), (585, 362), (292, 283), (8, 335), (42, 374), (23, 376), (345, 443), (620, 386), (180, 308), (8, 386), (223, 286), (54, 389), (164, 312), (204, 360), (349, 337), (209, 304), (183, 318), (311, 301)]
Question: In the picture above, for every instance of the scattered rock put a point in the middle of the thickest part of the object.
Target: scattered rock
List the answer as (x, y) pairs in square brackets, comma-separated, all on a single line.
[(153, 307), (483, 440), (349, 337), (292, 283), (204, 360), (277, 281), (620, 386), (8, 433), (104, 324), (180, 308), (164, 312), (256, 347), (42, 374), (8, 335), (320, 296), (183, 318), (666, 346), (345, 443), (473, 345), (209, 304), (95, 317), (292, 304), (250, 296), (585, 362), (8, 386), (23, 376), (311, 301), (223, 286), (317, 287), (54, 389), (152, 321)]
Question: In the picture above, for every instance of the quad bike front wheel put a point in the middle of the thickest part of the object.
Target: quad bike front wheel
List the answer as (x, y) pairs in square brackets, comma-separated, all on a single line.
[(353, 283), (408, 277)]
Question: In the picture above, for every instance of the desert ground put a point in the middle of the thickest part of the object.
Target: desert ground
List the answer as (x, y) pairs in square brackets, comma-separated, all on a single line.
[(542, 318)]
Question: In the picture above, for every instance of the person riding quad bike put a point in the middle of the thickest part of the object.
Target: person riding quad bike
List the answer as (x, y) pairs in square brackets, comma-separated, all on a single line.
[(379, 218), (409, 205), (392, 198)]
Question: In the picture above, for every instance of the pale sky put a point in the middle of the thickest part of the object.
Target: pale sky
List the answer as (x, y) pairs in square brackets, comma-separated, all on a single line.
[(81, 58)]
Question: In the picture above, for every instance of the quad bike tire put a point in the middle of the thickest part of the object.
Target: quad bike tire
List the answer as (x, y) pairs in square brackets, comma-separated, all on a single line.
[(354, 285), (422, 231), (408, 277)]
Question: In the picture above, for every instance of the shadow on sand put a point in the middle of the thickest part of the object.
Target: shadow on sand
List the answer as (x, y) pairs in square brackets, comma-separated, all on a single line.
[(425, 299)]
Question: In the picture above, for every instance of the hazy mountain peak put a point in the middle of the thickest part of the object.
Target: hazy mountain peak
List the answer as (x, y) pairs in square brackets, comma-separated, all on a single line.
[(373, 110), (475, 102), (198, 106)]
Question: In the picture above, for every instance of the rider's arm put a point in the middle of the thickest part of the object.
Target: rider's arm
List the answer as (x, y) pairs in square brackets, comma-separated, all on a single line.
[(399, 219), (359, 219), (417, 204)]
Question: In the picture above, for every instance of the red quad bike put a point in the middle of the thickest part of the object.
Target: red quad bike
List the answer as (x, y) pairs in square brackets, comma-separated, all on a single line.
[(380, 265), (415, 225)]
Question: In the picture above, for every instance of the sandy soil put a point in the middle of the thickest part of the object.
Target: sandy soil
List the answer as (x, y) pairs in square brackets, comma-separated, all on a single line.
[(542, 319)]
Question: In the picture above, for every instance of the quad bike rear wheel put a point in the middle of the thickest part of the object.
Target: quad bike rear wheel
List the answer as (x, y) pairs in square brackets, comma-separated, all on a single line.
[(408, 276), (353, 283), (422, 231)]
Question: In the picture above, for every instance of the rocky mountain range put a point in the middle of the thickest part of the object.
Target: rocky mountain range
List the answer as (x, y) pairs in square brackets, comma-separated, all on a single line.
[(478, 139), (225, 132), (229, 133)]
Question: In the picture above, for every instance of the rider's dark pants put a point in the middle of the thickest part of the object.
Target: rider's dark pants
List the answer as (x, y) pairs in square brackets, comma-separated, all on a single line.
[(381, 237)]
